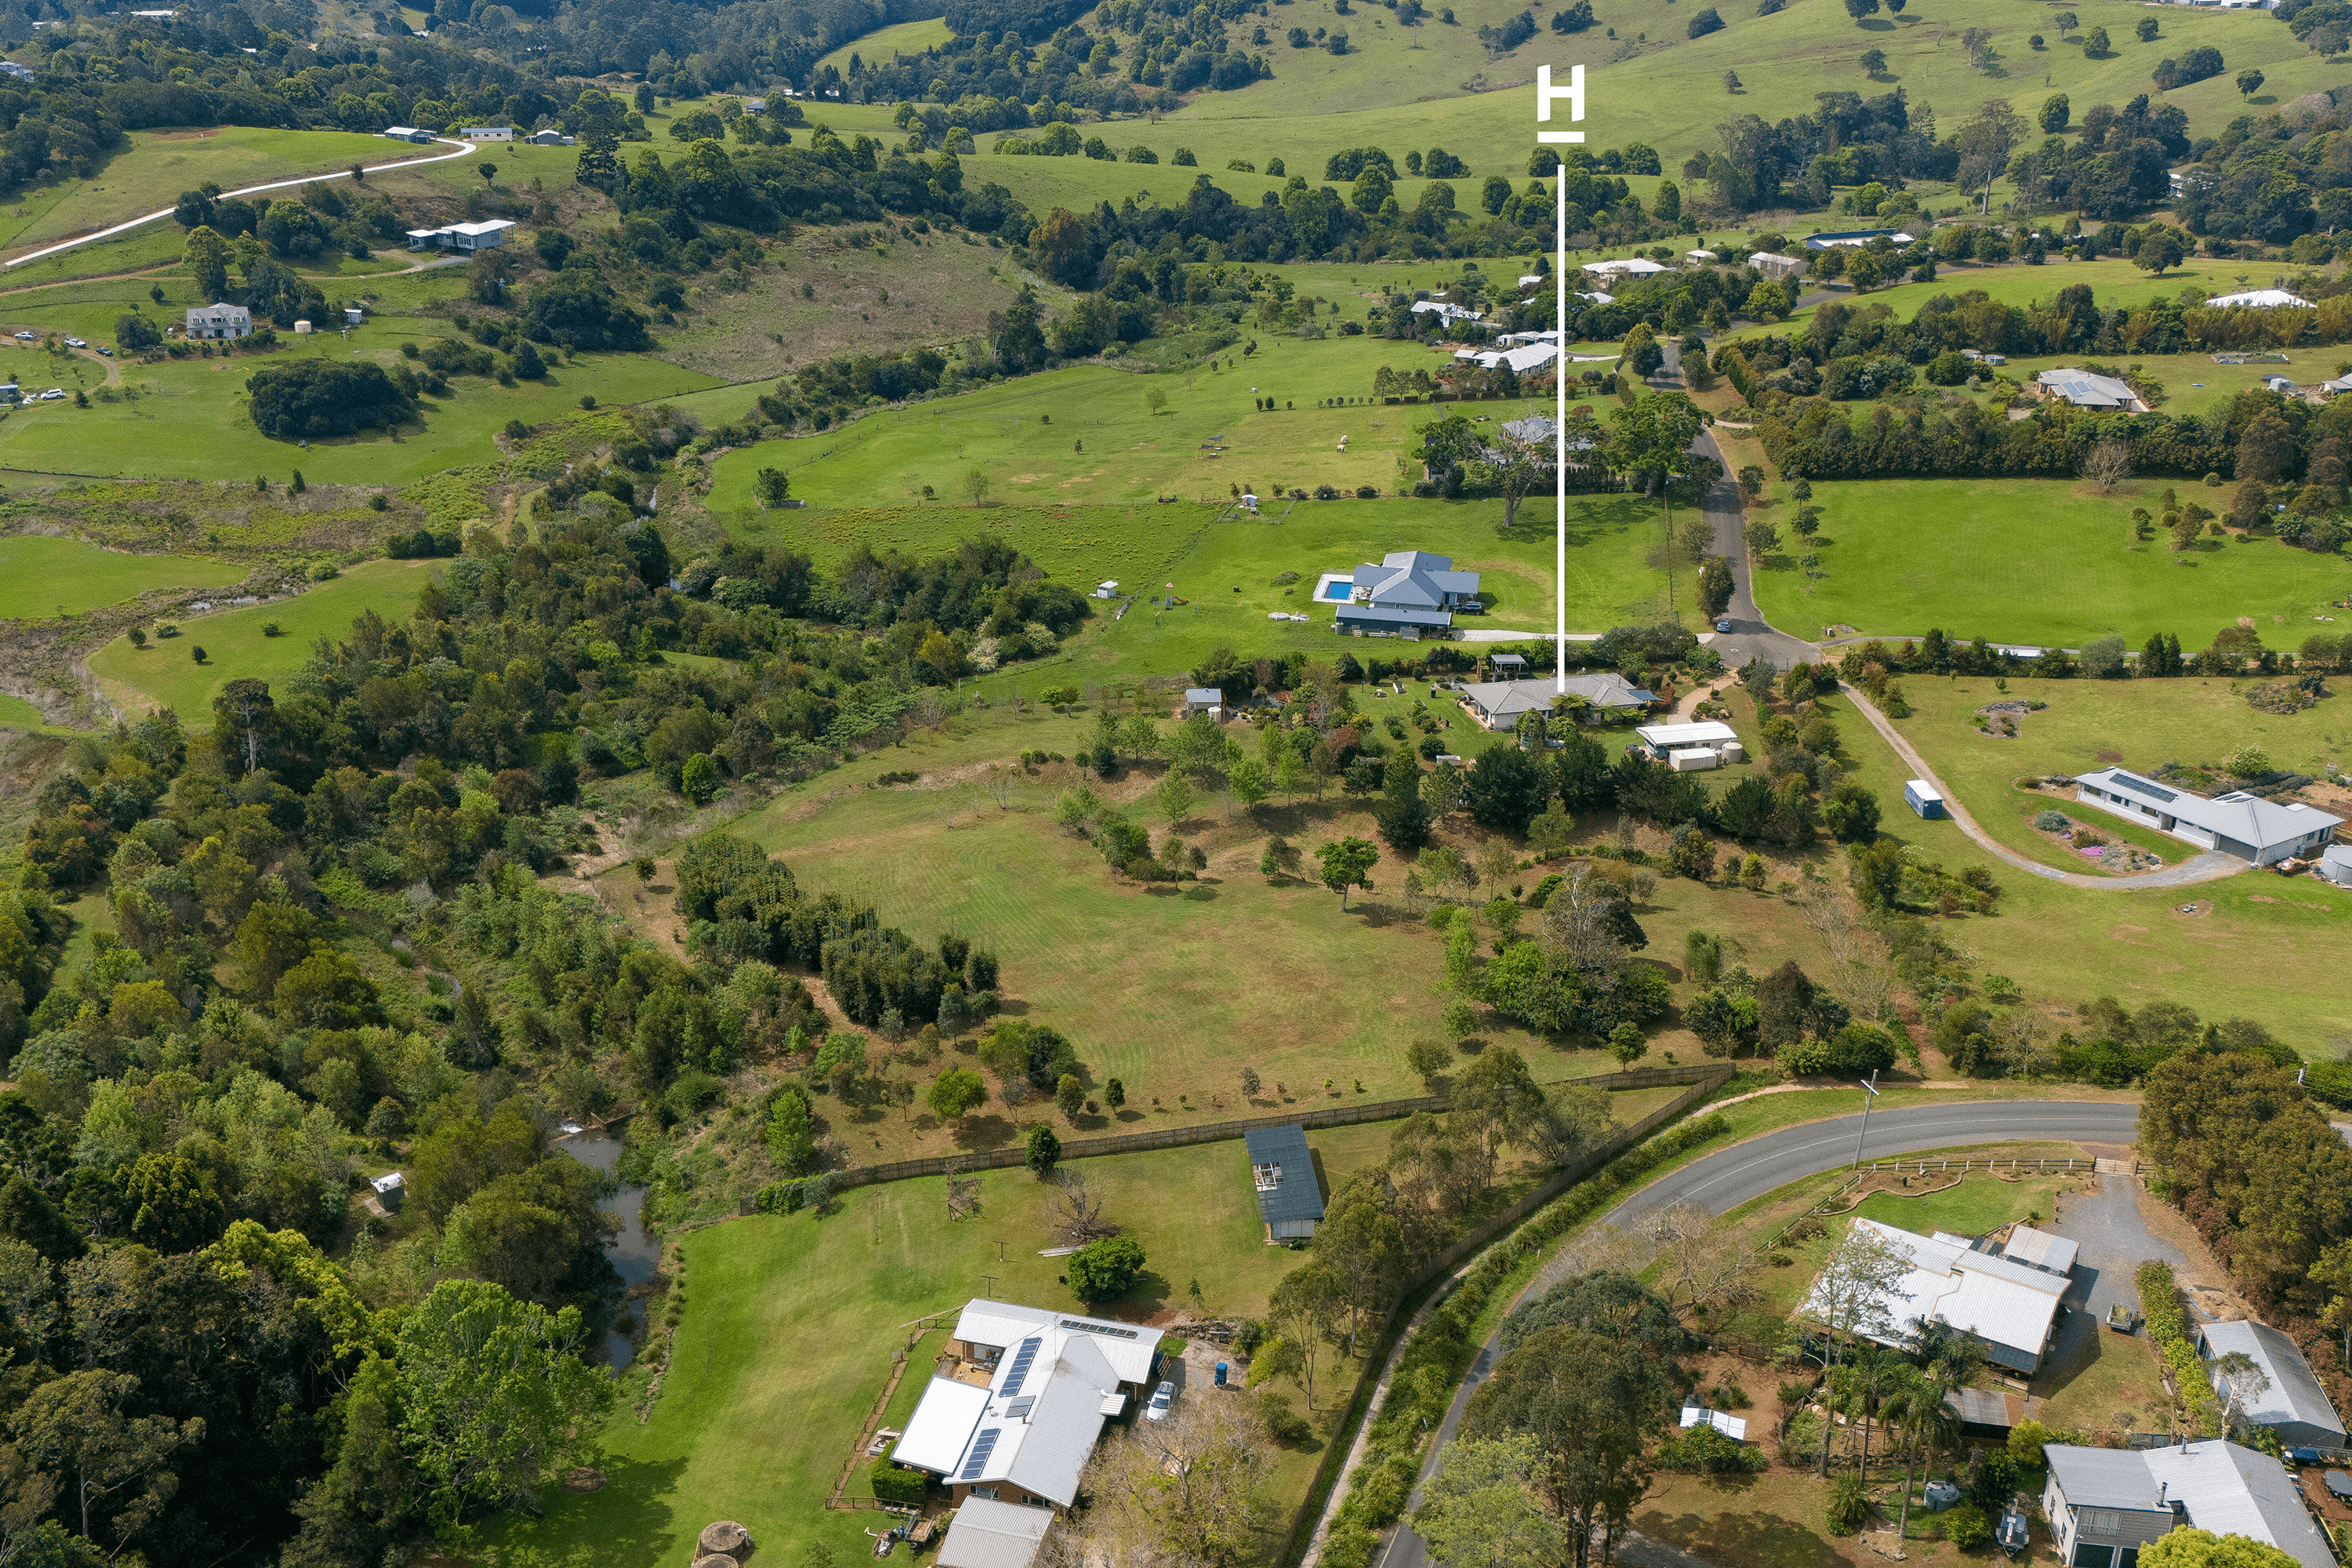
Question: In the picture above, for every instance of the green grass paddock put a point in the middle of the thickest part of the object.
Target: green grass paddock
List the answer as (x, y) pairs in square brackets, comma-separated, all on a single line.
[(164, 673), (43, 575)]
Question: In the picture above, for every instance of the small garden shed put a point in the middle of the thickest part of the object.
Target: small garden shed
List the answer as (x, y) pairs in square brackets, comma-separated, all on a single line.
[(1923, 798)]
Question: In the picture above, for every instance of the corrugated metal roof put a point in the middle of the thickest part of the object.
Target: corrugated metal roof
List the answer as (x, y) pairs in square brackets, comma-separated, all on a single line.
[(2005, 1305), (2294, 1393), (986, 1534), (941, 1426), (1282, 1167), (2040, 1250), (2101, 1477), (2232, 1490), (2247, 819)]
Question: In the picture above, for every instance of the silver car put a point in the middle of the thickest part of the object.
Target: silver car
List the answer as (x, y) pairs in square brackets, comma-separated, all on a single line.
[(1162, 1398)]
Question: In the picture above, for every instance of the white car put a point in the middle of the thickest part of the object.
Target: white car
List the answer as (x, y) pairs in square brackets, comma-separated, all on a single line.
[(23, 337), (76, 342), (1162, 1398), (52, 395)]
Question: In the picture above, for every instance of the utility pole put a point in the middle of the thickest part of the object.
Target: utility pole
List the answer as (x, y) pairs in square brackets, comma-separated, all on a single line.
[(1545, 94), (1870, 1085)]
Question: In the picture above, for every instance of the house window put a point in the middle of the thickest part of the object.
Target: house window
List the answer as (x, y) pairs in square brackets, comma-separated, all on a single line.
[(2128, 1558), (991, 1492), (2099, 1522), (2089, 1556)]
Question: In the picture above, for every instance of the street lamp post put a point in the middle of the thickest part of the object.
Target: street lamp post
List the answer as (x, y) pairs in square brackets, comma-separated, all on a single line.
[(1545, 94), (1870, 1085)]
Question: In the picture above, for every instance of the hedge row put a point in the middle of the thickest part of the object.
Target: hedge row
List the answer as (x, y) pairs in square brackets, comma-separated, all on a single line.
[(1440, 1351), (2167, 1326)]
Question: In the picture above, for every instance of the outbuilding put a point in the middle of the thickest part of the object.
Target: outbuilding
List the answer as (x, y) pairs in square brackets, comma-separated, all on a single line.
[(1204, 700), (1923, 798), (1290, 1195), (2282, 1394)]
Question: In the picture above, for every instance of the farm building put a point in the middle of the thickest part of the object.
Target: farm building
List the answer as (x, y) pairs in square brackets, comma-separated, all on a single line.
[(1289, 1194), (389, 1189), (2105, 1504), (548, 138), (1204, 700), (220, 320), (488, 234), (2008, 1305), (2239, 823), (1497, 704), (1923, 798), (1014, 1413), (2084, 389), (2290, 1400), (1775, 267), (984, 1533), (405, 133), (1834, 239), (1446, 314), (489, 133)]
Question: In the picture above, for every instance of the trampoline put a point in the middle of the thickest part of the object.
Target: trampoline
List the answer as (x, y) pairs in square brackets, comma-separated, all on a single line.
[(2340, 1485)]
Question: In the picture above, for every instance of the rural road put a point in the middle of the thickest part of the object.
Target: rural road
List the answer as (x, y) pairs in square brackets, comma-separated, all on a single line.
[(2208, 867), (462, 149), (1725, 1180)]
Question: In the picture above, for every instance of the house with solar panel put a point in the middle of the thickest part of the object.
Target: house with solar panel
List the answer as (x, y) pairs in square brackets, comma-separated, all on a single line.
[(1012, 1416), (2264, 832), (2289, 1399), (1290, 1195)]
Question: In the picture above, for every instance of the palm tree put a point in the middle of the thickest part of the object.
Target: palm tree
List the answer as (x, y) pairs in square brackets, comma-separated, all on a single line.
[(1929, 1425), (1871, 1367)]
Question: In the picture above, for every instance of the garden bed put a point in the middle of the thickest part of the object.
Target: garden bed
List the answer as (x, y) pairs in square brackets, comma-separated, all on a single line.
[(2099, 847)]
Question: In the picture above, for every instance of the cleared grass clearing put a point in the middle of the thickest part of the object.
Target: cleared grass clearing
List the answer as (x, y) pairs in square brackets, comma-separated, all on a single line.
[(887, 43), (157, 165), (2034, 561), (164, 673), (43, 575), (2252, 946), (190, 421), (2115, 283)]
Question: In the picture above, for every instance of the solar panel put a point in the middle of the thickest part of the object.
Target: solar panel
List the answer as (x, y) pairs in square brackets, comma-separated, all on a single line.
[(1018, 1409), (2138, 785), (1082, 1325), (1021, 1361), (982, 1447)]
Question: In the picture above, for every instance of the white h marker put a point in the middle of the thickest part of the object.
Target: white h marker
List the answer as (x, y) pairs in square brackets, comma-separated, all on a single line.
[(1546, 93)]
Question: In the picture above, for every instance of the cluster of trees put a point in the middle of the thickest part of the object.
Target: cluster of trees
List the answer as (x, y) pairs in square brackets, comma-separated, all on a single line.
[(315, 398), (1818, 438), (2255, 1166), (1141, 56), (1849, 140), (2270, 180)]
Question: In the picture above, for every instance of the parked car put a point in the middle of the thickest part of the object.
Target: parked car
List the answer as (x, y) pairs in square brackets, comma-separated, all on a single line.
[(23, 337), (1723, 624), (76, 342), (107, 352), (1162, 1398), (52, 395)]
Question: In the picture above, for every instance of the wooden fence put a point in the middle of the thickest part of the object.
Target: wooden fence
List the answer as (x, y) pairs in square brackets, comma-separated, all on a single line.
[(1223, 1131), (1938, 1167), (1437, 1280)]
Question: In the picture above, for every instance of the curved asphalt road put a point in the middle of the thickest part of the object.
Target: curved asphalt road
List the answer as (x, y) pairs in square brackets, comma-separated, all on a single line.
[(1723, 1181)]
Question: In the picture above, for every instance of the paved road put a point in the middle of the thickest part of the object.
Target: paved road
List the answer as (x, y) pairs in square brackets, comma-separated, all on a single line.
[(1725, 1180), (2211, 866)]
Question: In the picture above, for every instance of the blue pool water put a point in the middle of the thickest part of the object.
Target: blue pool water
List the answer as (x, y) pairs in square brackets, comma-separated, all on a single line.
[(1340, 589)]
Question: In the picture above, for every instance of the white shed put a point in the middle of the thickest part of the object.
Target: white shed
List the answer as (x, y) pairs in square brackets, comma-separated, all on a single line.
[(1923, 797)]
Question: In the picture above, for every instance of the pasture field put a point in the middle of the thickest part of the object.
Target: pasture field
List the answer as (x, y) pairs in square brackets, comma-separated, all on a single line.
[(789, 1315), (157, 165), (886, 43), (2252, 946), (2034, 561), (190, 421), (2114, 283), (164, 673), (43, 575), (2194, 383)]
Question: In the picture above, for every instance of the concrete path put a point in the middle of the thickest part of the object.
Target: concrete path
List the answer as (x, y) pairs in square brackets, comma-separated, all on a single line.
[(462, 149), (2208, 867), (1733, 1176)]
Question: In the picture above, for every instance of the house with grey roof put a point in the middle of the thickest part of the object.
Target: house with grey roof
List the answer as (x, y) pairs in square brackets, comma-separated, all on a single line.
[(1012, 1415), (2104, 1505), (1498, 704), (1289, 1194), (2246, 825), (2009, 1306), (2283, 1394), (219, 322), (2103, 393), (1410, 592)]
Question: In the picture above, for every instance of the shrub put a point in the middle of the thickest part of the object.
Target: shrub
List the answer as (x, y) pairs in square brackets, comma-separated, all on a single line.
[(1105, 1270), (2167, 1328), (2051, 821), (1966, 1527), (1849, 1507), (894, 1483), (308, 399), (1704, 1451)]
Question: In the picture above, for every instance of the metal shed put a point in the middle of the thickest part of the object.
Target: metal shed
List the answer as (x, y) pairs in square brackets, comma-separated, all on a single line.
[(1289, 1196), (1923, 797)]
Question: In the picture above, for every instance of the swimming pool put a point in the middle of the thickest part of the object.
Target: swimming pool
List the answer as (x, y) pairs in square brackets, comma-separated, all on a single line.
[(1336, 589)]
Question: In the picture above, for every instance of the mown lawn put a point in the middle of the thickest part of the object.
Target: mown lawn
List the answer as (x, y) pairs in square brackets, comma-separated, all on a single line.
[(2045, 562), (164, 673), (43, 575)]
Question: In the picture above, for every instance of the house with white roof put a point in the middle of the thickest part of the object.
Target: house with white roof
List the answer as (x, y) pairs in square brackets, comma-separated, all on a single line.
[(1609, 273), (1520, 360), (1775, 266), (1445, 313), (1015, 1419), (405, 133), (2239, 823), (2008, 1304), (1694, 747), (2084, 389), (219, 321), (2260, 299), (2104, 1505), (1836, 239), (488, 234), (2289, 1400)]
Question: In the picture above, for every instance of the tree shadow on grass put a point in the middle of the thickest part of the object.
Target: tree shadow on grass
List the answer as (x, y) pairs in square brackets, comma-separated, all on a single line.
[(1759, 1539), (626, 1523), (983, 1132)]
